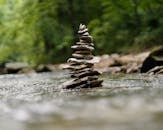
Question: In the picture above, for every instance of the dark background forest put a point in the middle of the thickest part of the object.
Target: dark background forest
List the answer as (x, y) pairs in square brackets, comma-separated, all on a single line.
[(42, 31)]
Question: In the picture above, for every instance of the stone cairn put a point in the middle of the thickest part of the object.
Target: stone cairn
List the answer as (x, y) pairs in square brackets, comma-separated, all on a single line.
[(81, 65)]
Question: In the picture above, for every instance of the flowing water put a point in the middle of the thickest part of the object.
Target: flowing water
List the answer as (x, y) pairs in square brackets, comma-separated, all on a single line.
[(37, 102)]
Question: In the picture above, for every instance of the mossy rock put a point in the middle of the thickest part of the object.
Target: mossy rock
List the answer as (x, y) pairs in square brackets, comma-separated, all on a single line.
[(154, 59)]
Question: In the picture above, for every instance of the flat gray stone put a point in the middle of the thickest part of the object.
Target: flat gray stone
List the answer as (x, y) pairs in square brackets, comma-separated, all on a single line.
[(80, 61), (82, 47), (75, 83), (77, 67), (81, 70), (81, 56), (88, 39), (84, 52), (82, 43), (85, 34), (83, 31), (85, 74), (85, 82)]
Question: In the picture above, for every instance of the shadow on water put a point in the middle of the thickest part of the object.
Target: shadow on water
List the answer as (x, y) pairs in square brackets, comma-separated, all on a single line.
[(37, 102)]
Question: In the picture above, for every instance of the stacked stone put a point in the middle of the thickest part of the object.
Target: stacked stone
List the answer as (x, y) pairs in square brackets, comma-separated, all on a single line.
[(81, 65)]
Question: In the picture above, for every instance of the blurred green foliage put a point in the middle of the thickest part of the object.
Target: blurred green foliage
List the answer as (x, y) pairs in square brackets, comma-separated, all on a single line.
[(42, 31)]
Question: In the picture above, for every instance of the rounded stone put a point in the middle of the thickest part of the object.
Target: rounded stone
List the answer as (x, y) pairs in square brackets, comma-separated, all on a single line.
[(82, 27)]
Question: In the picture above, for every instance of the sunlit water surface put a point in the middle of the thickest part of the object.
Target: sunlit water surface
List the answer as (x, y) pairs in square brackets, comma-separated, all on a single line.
[(38, 102)]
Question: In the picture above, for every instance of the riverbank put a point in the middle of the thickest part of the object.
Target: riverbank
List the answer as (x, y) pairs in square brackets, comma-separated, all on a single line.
[(145, 62)]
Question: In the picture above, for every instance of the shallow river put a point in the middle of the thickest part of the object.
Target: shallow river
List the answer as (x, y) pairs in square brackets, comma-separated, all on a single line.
[(37, 102)]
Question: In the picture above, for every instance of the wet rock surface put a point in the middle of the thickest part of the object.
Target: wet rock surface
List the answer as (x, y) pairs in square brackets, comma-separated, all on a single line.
[(115, 63), (144, 62), (45, 68), (156, 70), (154, 60), (13, 67), (37, 102)]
